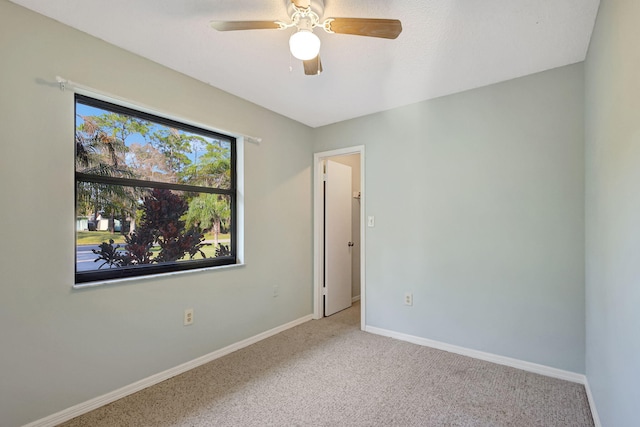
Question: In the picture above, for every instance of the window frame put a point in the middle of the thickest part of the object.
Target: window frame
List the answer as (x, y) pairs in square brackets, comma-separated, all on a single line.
[(83, 278)]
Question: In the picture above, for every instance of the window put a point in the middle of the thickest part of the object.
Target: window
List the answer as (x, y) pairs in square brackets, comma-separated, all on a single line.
[(153, 195)]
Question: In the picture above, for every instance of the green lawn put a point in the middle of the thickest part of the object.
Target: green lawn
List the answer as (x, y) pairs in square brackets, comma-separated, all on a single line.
[(209, 251), (97, 237), (221, 237)]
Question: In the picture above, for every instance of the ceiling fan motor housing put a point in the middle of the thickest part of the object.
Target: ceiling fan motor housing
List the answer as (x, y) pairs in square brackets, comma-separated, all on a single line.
[(317, 7)]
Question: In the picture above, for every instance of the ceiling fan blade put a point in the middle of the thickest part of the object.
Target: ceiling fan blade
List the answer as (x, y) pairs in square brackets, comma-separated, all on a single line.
[(383, 28), (313, 67), (245, 25), (301, 3)]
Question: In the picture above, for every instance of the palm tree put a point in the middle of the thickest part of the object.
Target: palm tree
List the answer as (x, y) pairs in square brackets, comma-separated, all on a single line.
[(208, 212), (98, 153), (213, 169)]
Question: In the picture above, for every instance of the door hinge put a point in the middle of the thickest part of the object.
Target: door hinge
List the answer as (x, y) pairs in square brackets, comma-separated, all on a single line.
[(324, 176), (324, 290)]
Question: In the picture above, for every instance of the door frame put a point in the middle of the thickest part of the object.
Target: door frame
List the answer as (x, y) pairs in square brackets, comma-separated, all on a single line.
[(318, 231)]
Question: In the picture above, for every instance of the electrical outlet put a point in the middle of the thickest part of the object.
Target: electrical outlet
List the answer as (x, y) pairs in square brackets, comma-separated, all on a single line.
[(188, 317), (408, 298)]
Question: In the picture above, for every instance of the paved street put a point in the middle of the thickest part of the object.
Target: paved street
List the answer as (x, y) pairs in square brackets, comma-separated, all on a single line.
[(85, 258)]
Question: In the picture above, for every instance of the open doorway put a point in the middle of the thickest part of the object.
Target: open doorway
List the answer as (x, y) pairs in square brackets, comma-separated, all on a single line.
[(351, 158)]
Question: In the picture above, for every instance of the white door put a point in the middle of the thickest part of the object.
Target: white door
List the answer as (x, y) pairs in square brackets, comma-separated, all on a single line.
[(337, 243)]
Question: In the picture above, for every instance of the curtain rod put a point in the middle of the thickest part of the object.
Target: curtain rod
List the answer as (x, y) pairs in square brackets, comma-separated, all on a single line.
[(65, 84)]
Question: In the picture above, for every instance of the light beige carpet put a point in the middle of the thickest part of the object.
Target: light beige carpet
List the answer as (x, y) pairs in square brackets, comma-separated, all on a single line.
[(329, 373)]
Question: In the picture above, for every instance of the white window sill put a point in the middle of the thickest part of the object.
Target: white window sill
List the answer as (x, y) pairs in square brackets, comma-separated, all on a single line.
[(154, 276)]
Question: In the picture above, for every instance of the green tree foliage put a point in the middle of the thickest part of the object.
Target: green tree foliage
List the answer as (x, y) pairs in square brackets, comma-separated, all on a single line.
[(208, 212), (121, 127), (212, 168)]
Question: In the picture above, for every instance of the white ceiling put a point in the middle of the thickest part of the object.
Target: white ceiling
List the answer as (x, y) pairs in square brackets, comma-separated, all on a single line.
[(446, 46)]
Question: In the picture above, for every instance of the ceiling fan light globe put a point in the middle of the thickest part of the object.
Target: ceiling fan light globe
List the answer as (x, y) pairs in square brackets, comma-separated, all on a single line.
[(304, 45)]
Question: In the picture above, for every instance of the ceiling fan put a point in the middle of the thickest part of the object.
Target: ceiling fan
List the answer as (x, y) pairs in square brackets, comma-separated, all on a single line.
[(305, 16)]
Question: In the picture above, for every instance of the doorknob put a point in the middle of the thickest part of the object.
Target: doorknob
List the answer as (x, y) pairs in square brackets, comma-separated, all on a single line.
[(350, 244)]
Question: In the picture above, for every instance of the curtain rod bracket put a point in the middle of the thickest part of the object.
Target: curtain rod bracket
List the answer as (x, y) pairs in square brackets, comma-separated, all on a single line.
[(62, 82)]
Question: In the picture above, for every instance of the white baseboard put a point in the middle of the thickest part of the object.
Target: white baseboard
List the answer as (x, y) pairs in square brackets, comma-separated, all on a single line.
[(489, 357), (90, 405), (592, 405), (356, 298)]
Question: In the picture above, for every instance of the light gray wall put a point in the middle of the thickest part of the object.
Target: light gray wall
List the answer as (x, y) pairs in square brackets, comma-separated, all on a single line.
[(353, 161), (478, 201), (612, 118), (61, 347)]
